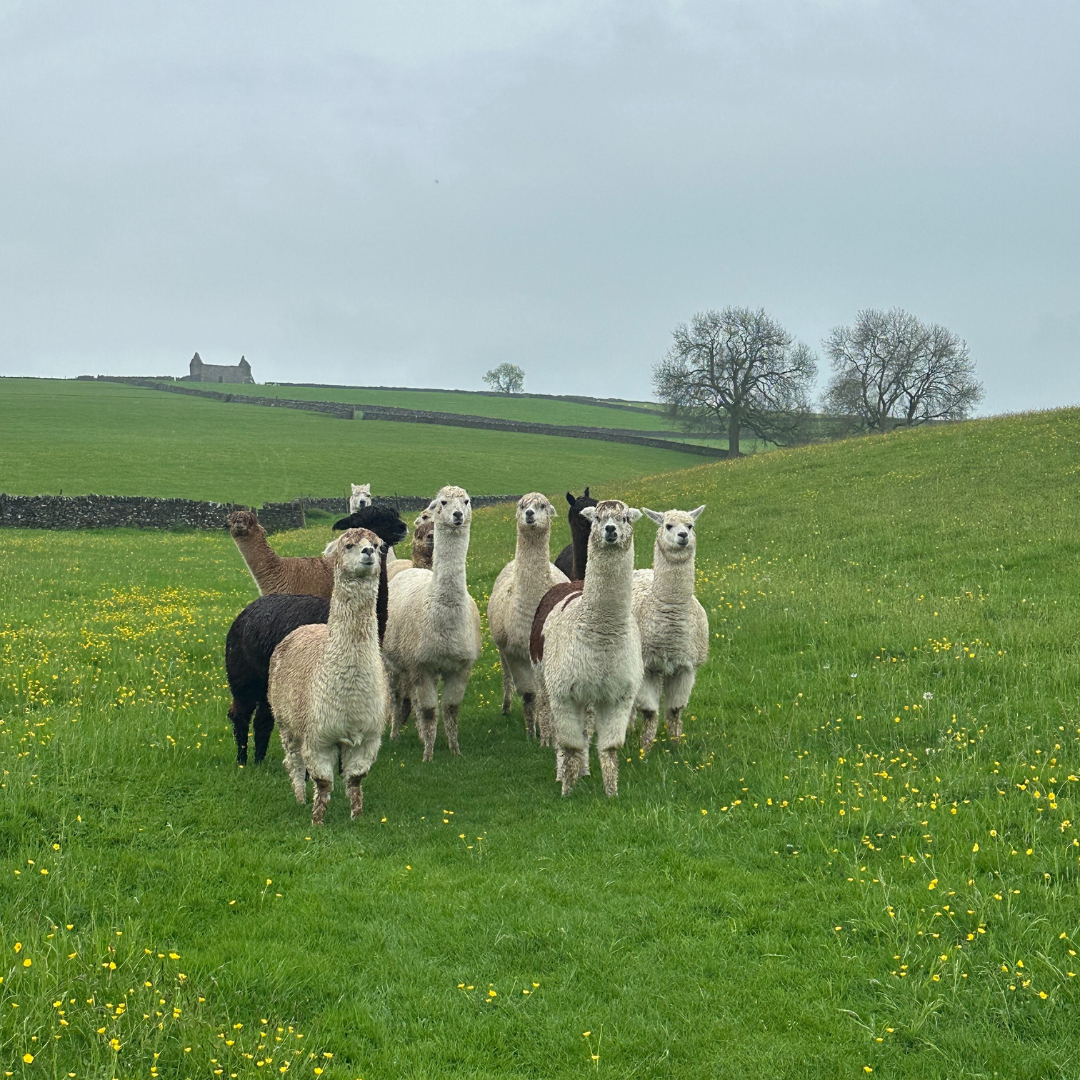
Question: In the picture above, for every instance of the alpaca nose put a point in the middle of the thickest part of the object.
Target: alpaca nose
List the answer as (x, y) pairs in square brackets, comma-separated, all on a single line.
[(610, 532), (458, 517), (529, 515), (683, 538)]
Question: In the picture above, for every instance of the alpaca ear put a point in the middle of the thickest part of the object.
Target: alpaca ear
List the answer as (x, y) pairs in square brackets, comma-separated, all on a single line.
[(551, 509), (589, 513), (330, 548), (695, 514), (587, 493), (633, 513), (570, 498), (652, 515)]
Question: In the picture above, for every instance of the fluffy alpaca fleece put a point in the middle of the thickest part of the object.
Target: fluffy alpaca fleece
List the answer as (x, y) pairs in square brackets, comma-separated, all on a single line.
[(586, 649), (573, 558), (328, 689), (313, 576), (433, 629), (515, 595), (673, 624), (423, 546), (359, 497)]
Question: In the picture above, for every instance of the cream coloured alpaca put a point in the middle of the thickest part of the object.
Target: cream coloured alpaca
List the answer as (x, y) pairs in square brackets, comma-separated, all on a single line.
[(587, 649), (517, 592), (673, 624), (433, 627), (328, 689), (360, 497)]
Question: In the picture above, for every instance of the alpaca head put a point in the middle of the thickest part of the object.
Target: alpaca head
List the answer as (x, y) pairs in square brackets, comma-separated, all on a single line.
[(244, 523), (356, 553), (676, 534), (422, 517), (360, 497), (611, 526), (579, 526), (535, 512), (451, 507), (423, 544)]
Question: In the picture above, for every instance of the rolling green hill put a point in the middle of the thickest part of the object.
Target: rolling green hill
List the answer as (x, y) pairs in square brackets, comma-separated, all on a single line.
[(863, 859), (105, 438)]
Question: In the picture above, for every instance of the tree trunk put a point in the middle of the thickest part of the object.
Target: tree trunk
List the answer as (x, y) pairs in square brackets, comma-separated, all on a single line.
[(733, 437)]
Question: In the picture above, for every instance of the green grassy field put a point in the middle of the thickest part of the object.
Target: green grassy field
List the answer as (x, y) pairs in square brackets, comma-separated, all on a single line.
[(107, 439), (862, 859), (536, 410)]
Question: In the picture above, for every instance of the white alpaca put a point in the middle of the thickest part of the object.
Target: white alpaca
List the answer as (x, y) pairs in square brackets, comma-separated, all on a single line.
[(517, 592), (328, 690), (360, 497), (673, 624), (433, 627), (587, 650)]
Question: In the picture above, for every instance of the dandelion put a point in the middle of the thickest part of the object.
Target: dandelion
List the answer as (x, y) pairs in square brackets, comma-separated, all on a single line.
[(928, 696)]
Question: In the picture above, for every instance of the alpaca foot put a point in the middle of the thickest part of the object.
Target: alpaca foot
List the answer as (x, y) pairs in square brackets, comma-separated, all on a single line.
[(427, 722), (648, 730), (356, 799), (674, 724), (609, 766), (571, 770), (322, 797)]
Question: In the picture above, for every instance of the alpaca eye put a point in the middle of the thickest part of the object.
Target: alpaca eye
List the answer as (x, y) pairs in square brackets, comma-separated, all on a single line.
[(668, 527), (466, 502), (349, 547), (444, 502)]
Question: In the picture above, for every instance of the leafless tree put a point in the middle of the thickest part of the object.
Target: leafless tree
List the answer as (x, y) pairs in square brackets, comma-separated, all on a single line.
[(891, 370), (737, 370)]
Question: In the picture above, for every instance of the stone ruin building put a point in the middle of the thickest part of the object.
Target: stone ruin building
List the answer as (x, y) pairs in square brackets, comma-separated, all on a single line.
[(218, 373)]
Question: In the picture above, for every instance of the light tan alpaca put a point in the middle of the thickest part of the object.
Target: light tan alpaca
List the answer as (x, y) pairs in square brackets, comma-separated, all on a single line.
[(433, 628), (517, 591), (328, 689), (673, 624), (423, 546), (271, 572)]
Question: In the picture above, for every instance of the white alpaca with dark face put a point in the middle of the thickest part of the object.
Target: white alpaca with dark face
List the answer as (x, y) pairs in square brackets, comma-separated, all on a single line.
[(586, 649), (673, 624), (360, 497), (517, 592), (433, 627)]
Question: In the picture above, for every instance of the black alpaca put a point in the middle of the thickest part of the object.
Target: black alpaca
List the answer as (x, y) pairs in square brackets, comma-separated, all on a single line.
[(383, 521), (572, 559)]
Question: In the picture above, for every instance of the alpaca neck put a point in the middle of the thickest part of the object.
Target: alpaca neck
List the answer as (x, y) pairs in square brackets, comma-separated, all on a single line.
[(257, 553), (532, 567), (352, 629), (581, 553), (608, 594), (448, 564), (673, 579)]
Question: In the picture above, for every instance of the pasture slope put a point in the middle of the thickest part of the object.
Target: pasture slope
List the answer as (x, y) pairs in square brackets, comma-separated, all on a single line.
[(109, 439), (862, 860)]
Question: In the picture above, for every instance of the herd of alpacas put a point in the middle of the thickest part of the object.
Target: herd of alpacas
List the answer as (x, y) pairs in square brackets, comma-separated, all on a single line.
[(340, 644)]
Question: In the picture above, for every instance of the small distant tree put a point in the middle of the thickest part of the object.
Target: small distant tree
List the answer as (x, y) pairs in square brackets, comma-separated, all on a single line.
[(891, 370), (737, 370), (506, 379)]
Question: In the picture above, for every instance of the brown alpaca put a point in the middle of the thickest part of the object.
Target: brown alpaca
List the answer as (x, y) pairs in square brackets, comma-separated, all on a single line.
[(273, 574), (423, 546)]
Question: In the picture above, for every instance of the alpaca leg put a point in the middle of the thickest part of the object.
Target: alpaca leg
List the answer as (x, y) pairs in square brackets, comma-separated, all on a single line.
[(356, 796), (323, 787), (571, 740), (611, 721), (294, 766), (650, 720), (508, 684), (427, 722), (528, 704), (453, 693), (542, 715), (400, 705), (356, 761), (590, 729), (521, 671), (648, 702), (264, 725), (676, 695), (240, 715)]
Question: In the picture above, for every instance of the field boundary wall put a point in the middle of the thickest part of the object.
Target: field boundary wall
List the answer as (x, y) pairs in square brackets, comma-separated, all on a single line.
[(347, 411)]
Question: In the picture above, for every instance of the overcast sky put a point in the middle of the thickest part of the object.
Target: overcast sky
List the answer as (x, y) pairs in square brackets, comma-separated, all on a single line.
[(409, 192)]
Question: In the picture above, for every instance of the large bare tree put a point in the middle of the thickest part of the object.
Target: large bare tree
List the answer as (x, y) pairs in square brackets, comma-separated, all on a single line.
[(737, 370), (891, 370)]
